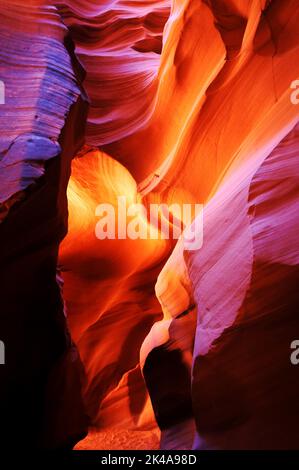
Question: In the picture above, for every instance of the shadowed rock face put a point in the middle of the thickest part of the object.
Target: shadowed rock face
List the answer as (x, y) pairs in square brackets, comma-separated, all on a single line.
[(164, 346), (42, 128)]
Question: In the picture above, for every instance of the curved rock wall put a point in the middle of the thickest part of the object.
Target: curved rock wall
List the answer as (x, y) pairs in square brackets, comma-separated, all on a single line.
[(189, 103)]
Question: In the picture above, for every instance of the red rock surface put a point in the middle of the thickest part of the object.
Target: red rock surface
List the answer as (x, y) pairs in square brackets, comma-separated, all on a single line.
[(119, 43), (185, 348)]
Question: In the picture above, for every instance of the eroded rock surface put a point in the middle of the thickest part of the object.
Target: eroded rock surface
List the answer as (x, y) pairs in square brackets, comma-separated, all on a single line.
[(190, 348)]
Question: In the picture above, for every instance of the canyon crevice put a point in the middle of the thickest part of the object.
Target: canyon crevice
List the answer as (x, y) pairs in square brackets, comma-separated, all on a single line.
[(144, 344)]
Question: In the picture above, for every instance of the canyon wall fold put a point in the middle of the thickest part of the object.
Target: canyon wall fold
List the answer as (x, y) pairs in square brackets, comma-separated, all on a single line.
[(42, 128), (144, 342)]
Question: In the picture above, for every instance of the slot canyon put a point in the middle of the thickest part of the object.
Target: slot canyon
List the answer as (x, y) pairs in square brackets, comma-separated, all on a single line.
[(142, 343)]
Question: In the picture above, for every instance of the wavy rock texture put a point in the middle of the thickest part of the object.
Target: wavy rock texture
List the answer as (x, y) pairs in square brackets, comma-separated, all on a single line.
[(241, 354), (243, 141), (223, 113), (40, 133), (38, 94), (119, 43), (92, 269), (180, 348)]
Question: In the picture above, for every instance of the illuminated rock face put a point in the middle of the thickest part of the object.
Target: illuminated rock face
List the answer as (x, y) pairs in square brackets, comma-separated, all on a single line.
[(180, 348), (119, 43), (242, 143), (242, 370)]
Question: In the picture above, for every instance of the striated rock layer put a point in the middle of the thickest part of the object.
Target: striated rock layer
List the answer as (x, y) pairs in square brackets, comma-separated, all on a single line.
[(119, 43), (180, 348), (223, 109), (242, 142), (42, 128)]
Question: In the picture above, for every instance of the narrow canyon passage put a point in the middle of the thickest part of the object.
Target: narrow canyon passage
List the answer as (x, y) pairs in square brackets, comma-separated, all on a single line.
[(131, 329)]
